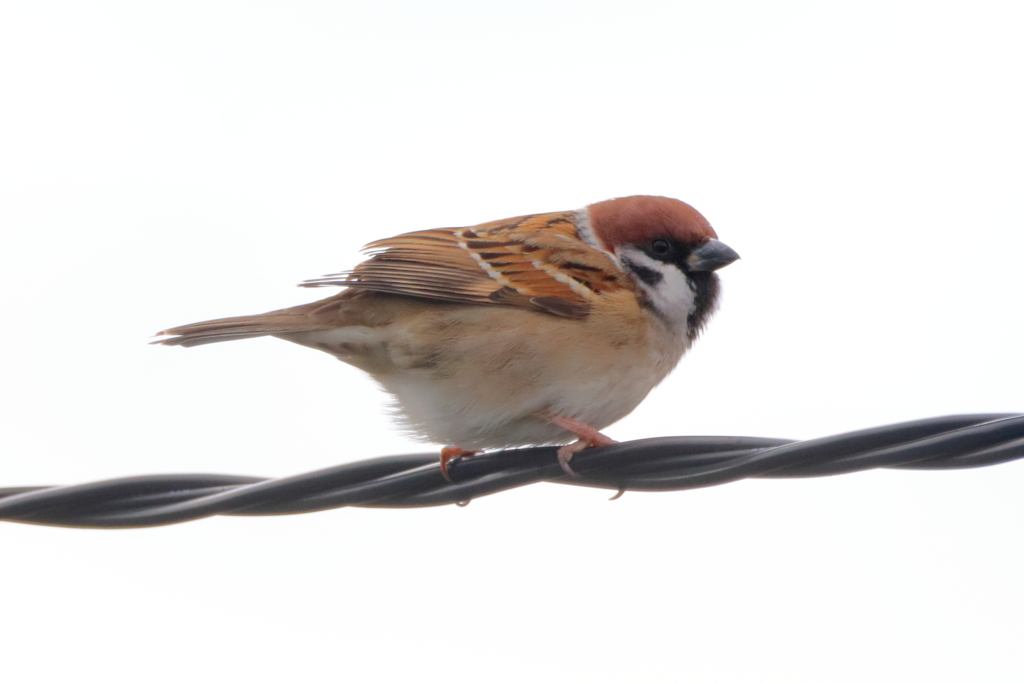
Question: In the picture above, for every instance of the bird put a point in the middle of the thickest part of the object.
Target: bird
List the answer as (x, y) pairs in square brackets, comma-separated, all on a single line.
[(524, 331)]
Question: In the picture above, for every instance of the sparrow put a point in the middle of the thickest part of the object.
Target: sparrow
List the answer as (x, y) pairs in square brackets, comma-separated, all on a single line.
[(524, 331)]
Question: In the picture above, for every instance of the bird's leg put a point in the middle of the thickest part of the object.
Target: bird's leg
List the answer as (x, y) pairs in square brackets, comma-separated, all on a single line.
[(449, 453), (588, 436)]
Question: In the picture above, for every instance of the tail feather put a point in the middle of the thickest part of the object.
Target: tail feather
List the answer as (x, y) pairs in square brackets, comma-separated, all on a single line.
[(289, 320)]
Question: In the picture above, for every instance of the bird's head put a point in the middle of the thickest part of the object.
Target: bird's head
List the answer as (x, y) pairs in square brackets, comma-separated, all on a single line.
[(671, 252)]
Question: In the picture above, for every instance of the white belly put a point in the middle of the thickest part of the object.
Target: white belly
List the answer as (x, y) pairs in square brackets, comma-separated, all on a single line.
[(465, 410)]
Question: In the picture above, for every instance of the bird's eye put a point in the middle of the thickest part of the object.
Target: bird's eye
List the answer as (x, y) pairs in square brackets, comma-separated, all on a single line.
[(661, 247)]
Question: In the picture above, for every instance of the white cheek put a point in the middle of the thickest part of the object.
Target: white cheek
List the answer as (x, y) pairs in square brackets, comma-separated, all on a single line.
[(672, 295)]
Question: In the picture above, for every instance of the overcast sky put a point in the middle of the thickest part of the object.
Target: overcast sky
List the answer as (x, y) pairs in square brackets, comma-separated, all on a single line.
[(163, 163)]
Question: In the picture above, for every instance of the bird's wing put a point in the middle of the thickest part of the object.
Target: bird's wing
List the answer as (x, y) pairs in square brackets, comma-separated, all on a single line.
[(535, 262)]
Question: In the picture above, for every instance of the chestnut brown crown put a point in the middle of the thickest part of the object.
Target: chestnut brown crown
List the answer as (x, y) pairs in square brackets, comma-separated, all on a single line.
[(641, 218)]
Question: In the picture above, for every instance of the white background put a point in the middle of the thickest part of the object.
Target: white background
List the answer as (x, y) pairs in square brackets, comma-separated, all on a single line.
[(162, 163)]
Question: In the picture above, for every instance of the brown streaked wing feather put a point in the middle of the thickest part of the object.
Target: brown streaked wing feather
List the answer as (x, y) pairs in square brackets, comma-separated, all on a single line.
[(535, 262)]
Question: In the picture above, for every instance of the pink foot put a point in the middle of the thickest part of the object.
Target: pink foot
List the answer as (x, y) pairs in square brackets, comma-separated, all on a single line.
[(588, 437)]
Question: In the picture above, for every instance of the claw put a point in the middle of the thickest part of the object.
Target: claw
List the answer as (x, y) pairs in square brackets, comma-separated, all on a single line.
[(565, 454), (448, 454)]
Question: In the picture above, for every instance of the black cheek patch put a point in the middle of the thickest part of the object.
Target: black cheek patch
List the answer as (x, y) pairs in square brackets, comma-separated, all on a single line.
[(649, 276)]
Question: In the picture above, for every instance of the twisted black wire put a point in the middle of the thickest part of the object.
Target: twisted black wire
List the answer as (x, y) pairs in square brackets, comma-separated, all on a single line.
[(661, 464)]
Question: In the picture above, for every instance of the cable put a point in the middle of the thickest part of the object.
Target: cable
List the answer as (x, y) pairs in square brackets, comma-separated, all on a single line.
[(406, 481)]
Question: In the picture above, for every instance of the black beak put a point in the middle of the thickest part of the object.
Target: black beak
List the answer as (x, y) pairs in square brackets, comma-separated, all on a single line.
[(711, 256)]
